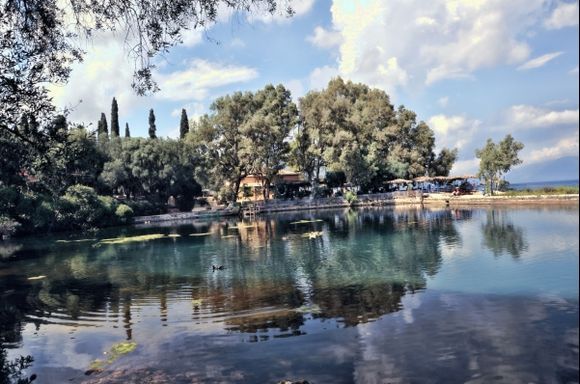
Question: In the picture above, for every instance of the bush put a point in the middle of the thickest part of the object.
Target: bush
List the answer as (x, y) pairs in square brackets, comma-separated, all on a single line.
[(8, 199), (350, 197), (81, 207), (8, 227), (124, 213), (144, 207)]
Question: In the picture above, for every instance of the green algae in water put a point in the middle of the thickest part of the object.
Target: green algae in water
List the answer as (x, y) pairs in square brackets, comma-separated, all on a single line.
[(312, 308), (200, 234), (307, 221), (75, 241), (131, 239), (312, 235), (117, 350)]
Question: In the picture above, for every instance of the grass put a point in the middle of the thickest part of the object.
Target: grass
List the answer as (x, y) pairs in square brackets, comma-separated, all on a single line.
[(567, 190)]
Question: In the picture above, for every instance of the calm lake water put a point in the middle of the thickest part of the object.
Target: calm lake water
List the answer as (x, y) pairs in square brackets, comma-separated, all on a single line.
[(367, 296)]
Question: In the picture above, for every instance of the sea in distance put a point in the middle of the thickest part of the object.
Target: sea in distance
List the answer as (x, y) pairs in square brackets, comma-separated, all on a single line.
[(544, 184), (374, 295)]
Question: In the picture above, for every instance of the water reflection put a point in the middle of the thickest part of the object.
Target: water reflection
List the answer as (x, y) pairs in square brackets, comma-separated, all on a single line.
[(357, 270), (501, 236), (293, 274)]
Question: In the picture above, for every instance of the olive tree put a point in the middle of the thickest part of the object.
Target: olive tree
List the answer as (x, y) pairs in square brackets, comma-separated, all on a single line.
[(497, 159)]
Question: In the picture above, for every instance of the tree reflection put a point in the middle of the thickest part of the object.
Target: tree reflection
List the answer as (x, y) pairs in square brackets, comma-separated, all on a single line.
[(275, 277), (501, 236)]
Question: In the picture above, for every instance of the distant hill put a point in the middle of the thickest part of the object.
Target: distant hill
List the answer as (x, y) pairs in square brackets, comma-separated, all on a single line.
[(564, 168)]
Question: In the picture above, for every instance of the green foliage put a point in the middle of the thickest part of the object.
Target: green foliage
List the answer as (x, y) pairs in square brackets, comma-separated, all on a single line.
[(441, 166), (356, 129), (8, 227), (264, 147), (11, 371), (116, 351), (127, 131), (563, 190), (80, 207), (102, 129), (114, 118), (350, 197), (335, 179), (152, 126), (183, 125), (497, 159)]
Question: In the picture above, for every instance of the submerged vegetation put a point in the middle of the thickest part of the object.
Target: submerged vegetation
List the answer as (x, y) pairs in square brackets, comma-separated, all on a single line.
[(116, 351)]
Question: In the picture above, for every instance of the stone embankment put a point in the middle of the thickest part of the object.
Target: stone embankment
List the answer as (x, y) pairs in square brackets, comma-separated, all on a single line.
[(479, 199), (379, 199)]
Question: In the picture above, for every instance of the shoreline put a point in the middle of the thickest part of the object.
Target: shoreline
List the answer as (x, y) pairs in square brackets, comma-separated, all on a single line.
[(370, 201)]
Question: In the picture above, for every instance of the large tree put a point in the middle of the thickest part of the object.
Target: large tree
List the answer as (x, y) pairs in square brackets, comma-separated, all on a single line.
[(265, 147), (497, 159)]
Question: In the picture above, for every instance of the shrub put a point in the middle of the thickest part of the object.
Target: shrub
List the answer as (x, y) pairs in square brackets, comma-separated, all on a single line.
[(124, 213), (8, 199), (7, 226), (350, 197), (81, 207)]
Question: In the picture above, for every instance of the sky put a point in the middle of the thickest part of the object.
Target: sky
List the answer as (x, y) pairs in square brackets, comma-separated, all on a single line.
[(471, 69)]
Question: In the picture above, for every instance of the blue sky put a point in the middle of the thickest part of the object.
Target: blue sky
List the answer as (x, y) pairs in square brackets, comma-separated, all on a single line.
[(471, 69)]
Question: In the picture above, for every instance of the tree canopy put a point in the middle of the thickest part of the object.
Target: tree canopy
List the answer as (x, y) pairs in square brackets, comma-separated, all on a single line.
[(497, 159)]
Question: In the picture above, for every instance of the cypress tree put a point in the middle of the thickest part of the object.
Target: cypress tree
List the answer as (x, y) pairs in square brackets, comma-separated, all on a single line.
[(183, 125), (114, 118), (102, 129), (127, 132), (24, 126), (152, 127), (32, 123)]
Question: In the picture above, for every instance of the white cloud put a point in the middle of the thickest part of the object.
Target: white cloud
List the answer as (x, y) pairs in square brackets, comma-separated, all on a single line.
[(574, 71), (423, 20), (527, 116), (465, 167), (191, 37), (557, 102), (567, 146), (430, 41), (564, 15), (325, 39), (443, 101), (453, 131), (296, 89), (540, 61), (194, 82), (320, 77), (106, 72), (237, 43)]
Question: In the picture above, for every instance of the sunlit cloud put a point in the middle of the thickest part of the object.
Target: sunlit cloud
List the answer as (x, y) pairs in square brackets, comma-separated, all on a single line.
[(564, 15), (527, 116), (540, 61), (195, 82)]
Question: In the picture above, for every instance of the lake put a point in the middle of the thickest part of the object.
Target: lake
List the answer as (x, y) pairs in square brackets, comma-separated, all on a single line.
[(403, 295)]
